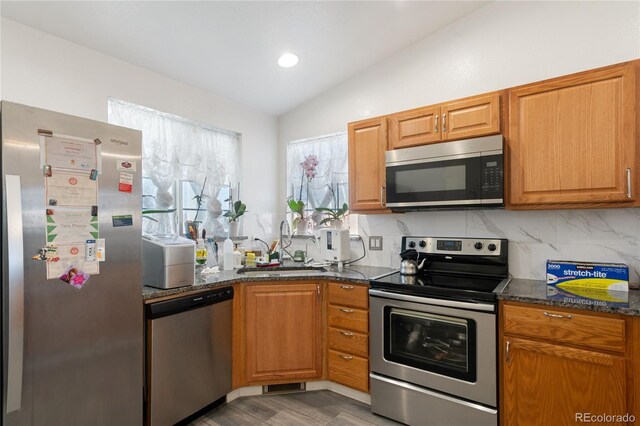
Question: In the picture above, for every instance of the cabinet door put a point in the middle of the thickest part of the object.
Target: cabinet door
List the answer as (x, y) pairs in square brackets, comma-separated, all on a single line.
[(547, 384), (367, 144), (572, 139), (283, 332), (477, 116), (416, 127)]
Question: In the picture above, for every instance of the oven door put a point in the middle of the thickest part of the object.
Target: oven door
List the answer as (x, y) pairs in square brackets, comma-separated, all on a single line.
[(443, 345)]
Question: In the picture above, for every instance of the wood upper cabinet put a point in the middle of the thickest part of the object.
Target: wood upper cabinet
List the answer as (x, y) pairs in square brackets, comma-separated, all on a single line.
[(471, 117), (465, 118), (283, 332), (572, 139), (415, 127), (558, 362), (367, 144)]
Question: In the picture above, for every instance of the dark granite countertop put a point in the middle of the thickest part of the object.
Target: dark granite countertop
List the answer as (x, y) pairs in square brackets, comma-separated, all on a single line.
[(354, 273), (536, 291)]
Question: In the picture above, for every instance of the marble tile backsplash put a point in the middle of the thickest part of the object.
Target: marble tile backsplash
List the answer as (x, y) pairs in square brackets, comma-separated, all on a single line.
[(605, 235)]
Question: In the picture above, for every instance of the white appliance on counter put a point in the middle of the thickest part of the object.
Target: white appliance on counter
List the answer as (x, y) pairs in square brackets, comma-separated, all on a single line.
[(334, 245), (168, 261)]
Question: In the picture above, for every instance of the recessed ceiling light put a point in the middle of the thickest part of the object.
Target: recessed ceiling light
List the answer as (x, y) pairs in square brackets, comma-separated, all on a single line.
[(287, 60)]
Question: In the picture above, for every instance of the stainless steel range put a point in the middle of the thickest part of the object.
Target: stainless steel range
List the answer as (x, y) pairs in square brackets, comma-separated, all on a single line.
[(433, 334)]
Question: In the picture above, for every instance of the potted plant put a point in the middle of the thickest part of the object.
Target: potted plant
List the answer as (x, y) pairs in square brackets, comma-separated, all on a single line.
[(299, 221), (191, 227), (333, 217), (237, 209), (297, 207)]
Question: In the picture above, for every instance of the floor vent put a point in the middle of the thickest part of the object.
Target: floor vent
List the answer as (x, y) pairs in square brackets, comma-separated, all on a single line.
[(285, 388)]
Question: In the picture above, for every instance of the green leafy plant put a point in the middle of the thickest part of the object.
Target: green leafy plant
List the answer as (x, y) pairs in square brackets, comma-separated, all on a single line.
[(238, 209), (297, 207), (331, 214)]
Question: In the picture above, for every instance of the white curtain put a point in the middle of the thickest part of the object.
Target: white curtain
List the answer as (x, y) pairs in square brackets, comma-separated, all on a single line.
[(330, 184), (174, 149)]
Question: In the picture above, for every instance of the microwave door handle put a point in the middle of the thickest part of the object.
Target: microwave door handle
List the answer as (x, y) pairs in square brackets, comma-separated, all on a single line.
[(15, 256)]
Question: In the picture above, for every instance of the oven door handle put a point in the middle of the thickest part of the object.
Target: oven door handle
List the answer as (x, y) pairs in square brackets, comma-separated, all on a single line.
[(437, 302)]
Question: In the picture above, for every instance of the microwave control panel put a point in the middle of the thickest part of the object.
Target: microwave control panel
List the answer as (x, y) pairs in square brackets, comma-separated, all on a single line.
[(492, 177)]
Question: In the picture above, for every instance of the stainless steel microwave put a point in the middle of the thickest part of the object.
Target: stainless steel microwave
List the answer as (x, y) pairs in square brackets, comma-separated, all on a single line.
[(464, 173)]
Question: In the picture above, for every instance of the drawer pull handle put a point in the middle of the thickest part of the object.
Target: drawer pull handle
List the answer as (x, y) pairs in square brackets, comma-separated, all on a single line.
[(347, 357), (628, 183), (347, 333), (547, 314), (508, 352), (346, 287), (346, 311)]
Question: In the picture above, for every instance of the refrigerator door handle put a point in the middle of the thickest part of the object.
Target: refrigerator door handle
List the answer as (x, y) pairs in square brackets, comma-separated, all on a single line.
[(15, 254)]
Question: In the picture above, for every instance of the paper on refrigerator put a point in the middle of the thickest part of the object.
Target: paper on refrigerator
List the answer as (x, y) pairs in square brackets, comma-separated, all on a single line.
[(70, 153), (71, 225), (71, 255), (71, 190)]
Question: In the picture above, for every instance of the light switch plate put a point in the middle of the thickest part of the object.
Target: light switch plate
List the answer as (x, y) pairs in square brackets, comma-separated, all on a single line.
[(375, 243)]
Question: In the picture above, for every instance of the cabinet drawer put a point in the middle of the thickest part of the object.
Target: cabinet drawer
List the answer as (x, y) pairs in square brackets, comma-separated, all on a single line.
[(561, 326), (349, 295), (348, 318), (349, 370), (349, 341)]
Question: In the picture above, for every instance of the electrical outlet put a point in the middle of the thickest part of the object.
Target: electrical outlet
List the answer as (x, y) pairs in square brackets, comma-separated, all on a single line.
[(375, 243)]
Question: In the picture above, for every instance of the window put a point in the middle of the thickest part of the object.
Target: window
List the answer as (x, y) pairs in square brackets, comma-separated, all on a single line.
[(328, 184), (180, 159)]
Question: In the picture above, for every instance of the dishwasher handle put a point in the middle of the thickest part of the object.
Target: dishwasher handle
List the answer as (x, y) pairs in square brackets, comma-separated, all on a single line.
[(187, 303)]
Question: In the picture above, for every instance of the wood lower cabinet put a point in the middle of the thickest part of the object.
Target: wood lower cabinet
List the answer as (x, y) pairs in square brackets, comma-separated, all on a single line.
[(549, 384), (465, 118), (572, 140), (348, 335), (559, 363), (283, 332), (367, 144)]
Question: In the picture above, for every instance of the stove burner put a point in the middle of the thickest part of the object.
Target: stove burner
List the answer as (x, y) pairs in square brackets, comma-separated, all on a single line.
[(456, 268)]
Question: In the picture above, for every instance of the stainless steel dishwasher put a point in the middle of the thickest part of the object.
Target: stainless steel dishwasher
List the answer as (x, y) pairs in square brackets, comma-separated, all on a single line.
[(188, 354)]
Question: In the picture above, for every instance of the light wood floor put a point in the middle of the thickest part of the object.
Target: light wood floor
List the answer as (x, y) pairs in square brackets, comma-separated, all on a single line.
[(304, 408)]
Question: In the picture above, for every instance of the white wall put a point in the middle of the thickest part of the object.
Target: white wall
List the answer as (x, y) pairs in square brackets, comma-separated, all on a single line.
[(40, 70), (501, 45)]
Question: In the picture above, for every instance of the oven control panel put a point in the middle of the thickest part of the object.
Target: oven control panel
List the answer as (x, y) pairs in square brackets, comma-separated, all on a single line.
[(459, 246)]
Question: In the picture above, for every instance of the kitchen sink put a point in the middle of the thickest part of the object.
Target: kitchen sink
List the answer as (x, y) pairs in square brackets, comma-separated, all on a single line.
[(283, 271)]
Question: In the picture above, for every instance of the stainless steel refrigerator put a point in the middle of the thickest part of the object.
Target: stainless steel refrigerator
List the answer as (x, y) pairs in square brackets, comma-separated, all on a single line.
[(72, 345)]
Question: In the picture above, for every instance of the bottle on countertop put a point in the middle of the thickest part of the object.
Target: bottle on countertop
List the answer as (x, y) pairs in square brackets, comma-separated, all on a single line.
[(237, 258), (227, 249), (201, 252)]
